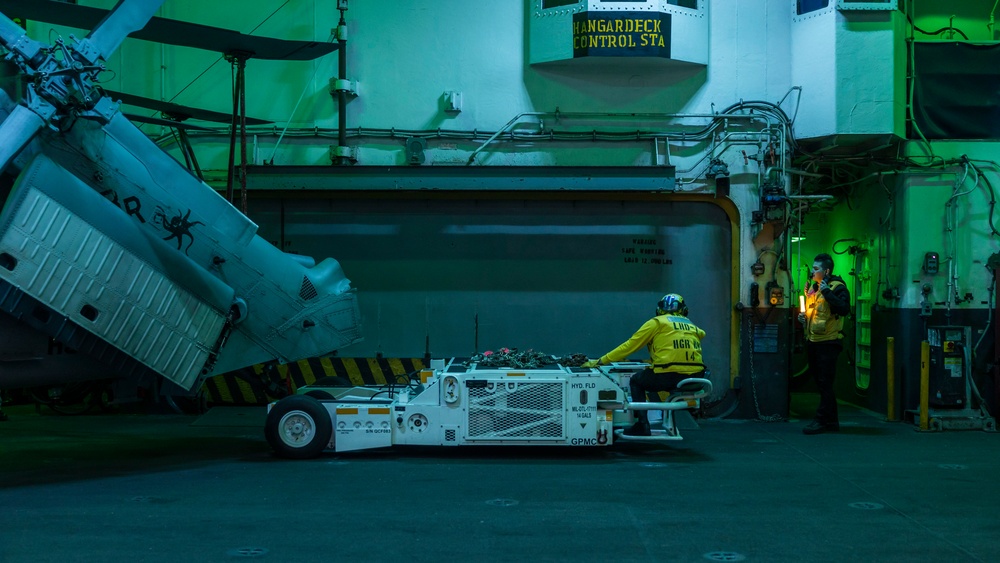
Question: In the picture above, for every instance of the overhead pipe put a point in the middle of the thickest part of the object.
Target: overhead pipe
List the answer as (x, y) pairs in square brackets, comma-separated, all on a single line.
[(589, 136), (700, 135), (795, 172), (727, 144), (770, 128)]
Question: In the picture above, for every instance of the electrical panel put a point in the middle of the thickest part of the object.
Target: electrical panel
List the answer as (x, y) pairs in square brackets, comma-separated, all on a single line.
[(415, 150), (948, 367), (772, 204), (775, 294), (931, 263)]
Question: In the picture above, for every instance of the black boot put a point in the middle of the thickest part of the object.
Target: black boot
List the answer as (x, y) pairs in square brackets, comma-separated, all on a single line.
[(641, 426)]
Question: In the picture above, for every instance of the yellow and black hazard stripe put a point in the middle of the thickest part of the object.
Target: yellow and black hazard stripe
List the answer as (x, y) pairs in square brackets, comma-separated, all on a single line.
[(240, 387), (258, 385)]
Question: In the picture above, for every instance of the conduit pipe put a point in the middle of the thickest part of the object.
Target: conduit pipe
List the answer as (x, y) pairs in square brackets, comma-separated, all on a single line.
[(700, 135), (771, 127), (341, 93)]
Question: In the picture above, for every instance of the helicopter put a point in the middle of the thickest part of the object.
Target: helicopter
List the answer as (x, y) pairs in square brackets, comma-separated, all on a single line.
[(110, 246)]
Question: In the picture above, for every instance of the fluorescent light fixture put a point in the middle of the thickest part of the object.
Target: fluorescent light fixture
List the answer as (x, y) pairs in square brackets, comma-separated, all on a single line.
[(361, 229), (601, 230), (798, 239)]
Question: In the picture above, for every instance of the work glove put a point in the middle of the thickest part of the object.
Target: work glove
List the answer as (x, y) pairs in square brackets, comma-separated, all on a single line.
[(591, 363)]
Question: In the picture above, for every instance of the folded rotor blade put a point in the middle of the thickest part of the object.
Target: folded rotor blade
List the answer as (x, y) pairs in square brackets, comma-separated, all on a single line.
[(128, 16), (16, 132), (10, 32), (166, 122), (179, 112), (174, 32), (15, 39)]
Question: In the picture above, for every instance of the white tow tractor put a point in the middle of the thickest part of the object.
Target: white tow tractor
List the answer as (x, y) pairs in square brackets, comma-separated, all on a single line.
[(453, 404)]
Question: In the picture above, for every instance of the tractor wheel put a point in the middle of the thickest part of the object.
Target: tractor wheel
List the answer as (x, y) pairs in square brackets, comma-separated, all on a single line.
[(298, 427)]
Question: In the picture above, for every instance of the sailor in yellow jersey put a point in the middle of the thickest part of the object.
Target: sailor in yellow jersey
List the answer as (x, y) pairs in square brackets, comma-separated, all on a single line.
[(827, 303), (674, 345)]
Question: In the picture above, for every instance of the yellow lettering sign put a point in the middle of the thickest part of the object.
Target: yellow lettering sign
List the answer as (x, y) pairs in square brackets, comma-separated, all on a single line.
[(618, 33)]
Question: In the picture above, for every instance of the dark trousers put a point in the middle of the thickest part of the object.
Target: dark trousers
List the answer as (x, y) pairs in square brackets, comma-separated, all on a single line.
[(649, 381), (823, 367)]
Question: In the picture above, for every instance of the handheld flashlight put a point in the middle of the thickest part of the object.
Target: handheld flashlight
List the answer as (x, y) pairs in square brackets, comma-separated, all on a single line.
[(802, 303)]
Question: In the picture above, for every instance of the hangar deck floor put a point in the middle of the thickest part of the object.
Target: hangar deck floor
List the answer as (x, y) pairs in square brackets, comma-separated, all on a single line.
[(170, 488)]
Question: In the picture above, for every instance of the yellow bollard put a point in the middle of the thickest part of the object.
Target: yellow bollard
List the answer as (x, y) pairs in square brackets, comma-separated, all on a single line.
[(925, 384), (890, 379)]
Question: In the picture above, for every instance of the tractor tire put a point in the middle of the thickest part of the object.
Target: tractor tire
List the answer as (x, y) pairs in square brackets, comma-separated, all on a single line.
[(298, 427)]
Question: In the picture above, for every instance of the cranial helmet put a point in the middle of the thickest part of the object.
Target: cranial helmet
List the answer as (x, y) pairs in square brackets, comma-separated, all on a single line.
[(671, 304)]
